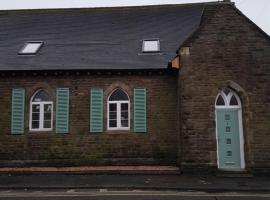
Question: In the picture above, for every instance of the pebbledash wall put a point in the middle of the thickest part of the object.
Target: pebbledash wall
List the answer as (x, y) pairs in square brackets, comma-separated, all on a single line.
[(226, 51), (78, 147)]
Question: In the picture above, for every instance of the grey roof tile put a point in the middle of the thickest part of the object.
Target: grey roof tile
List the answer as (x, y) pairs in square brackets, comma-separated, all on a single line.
[(95, 38)]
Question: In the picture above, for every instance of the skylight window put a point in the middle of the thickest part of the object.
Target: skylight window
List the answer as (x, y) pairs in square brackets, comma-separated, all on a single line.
[(31, 48), (151, 45)]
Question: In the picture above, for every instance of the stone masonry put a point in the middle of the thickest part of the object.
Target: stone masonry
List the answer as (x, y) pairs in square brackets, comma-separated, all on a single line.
[(227, 51), (79, 147)]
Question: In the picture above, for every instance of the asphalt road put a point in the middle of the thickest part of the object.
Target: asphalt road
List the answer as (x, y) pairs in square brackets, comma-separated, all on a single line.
[(137, 198), (125, 195)]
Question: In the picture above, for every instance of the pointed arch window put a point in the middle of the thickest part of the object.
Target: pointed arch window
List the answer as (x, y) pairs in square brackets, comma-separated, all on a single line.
[(228, 98), (233, 101), (220, 101), (118, 110), (41, 112)]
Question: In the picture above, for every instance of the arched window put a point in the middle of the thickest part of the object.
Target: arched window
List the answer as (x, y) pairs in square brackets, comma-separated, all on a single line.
[(41, 111), (220, 101), (118, 110), (227, 98)]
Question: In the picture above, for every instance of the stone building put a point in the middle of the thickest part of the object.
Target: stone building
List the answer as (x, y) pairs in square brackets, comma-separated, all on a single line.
[(184, 85)]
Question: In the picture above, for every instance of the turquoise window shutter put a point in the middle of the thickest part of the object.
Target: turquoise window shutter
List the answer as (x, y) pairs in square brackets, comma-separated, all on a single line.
[(96, 110), (140, 110), (17, 113), (62, 110)]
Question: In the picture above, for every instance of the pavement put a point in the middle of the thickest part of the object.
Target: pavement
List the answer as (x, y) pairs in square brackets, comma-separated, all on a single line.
[(157, 182), (92, 170)]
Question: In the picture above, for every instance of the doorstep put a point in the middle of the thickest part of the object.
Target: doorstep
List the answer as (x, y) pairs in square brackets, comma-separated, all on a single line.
[(151, 170)]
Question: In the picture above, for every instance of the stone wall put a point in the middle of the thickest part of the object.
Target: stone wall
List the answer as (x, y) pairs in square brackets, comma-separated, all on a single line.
[(79, 147), (227, 51)]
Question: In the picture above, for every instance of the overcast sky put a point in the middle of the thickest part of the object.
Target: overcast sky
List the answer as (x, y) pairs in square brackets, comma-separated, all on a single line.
[(257, 10)]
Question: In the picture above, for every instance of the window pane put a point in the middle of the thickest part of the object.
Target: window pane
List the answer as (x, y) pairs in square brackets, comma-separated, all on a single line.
[(124, 107), (112, 106), (35, 108), (124, 123), (47, 112), (47, 124), (118, 95), (150, 45), (112, 123), (35, 124), (35, 116), (220, 101), (47, 108), (41, 96), (31, 48), (124, 115), (233, 101), (112, 115), (47, 116)]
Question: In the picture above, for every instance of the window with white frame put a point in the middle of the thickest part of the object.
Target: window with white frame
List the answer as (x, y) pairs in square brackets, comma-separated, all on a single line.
[(118, 110), (152, 45), (31, 48), (41, 112)]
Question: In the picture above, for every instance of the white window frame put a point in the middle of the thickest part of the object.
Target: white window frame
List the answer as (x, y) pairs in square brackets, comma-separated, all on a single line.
[(118, 114), (22, 51), (41, 114), (227, 99), (144, 50)]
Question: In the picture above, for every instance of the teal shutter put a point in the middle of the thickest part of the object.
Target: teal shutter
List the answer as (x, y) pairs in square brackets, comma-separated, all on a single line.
[(140, 110), (62, 110), (96, 110), (17, 114)]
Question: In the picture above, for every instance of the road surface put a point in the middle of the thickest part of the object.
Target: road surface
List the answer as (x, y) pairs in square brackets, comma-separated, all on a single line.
[(103, 194)]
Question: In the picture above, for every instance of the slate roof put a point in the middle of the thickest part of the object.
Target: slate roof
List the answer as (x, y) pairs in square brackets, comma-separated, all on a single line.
[(95, 38)]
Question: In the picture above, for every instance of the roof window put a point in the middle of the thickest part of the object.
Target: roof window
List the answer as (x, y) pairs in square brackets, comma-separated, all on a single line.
[(31, 48), (152, 45)]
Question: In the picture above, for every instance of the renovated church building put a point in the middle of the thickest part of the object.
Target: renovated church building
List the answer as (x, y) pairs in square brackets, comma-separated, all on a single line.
[(178, 85)]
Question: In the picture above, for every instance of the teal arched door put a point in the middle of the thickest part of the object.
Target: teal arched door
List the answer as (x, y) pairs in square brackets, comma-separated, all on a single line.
[(229, 131)]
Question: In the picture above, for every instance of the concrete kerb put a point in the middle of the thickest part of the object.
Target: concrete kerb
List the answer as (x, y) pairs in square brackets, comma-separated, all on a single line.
[(132, 188)]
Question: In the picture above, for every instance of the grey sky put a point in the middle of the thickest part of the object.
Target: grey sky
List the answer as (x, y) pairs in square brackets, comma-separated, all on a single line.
[(257, 10)]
